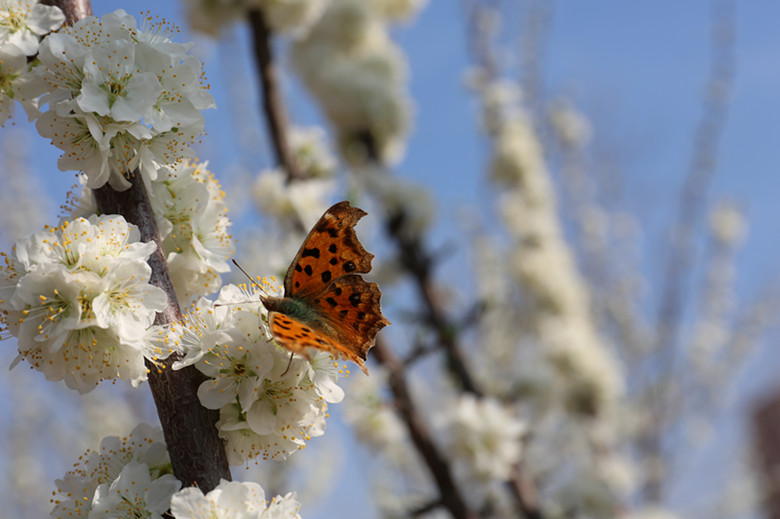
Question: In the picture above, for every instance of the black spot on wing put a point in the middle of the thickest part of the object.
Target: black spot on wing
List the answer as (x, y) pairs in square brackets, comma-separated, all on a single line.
[(297, 284), (333, 248), (333, 232), (333, 260), (343, 313), (354, 298), (338, 291), (361, 315), (349, 266), (331, 301), (298, 268), (308, 270), (326, 276), (313, 252), (282, 325)]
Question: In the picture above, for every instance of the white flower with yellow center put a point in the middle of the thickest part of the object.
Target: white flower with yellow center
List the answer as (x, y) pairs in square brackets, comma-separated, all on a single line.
[(192, 216), (78, 300), (23, 22), (120, 98), (101, 482), (233, 500)]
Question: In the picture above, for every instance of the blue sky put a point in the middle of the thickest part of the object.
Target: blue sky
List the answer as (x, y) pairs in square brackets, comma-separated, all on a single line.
[(636, 69)]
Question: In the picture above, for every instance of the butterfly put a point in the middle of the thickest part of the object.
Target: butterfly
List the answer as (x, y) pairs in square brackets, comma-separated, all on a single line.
[(327, 305)]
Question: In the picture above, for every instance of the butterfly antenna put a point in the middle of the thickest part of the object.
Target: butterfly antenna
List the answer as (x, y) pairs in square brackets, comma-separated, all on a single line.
[(288, 364), (251, 279)]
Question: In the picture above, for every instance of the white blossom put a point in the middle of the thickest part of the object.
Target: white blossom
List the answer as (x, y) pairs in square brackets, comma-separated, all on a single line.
[(571, 127), (233, 500), (374, 422), (78, 300), (270, 404), (119, 98), (727, 224), (484, 436), (192, 217), (362, 90), (96, 471), (134, 494), (400, 197), (303, 201), (294, 16), (311, 153), (398, 10), (15, 85), (23, 23)]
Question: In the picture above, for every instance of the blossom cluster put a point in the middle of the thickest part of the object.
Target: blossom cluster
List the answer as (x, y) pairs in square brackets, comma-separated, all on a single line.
[(362, 90), (229, 497), (127, 477), (119, 98), (304, 201), (375, 423), (270, 403), (586, 373), (22, 24), (191, 213), (132, 477), (189, 206), (485, 437), (77, 298)]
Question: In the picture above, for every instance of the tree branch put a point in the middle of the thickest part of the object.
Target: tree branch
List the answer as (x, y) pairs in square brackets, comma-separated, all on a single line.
[(74, 10), (438, 466), (418, 263), (197, 454), (273, 105)]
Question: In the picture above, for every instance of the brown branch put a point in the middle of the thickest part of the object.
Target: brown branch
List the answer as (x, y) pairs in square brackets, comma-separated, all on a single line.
[(450, 495), (197, 453), (418, 263), (766, 431), (74, 10), (273, 105)]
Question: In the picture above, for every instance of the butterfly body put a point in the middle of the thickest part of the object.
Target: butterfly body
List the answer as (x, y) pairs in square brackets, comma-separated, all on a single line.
[(327, 305)]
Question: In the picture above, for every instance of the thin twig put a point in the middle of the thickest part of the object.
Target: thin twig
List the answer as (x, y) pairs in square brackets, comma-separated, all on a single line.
[(450, 495), (691, 209), (273, 105), (418, 263)]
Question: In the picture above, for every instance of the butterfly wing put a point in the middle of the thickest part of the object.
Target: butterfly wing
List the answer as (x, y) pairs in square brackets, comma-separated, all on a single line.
[(298, 337), (350, 307), (330, 250)]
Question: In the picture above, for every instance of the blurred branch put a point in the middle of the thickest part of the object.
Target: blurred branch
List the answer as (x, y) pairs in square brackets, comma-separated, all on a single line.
[(450, 495), (691, 209), (536, 28), (197, 453), (418, 263), (273, 105), (766, 426)]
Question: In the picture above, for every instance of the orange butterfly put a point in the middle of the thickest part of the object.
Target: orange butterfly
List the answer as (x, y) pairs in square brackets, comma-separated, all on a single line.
[(326, 304)]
